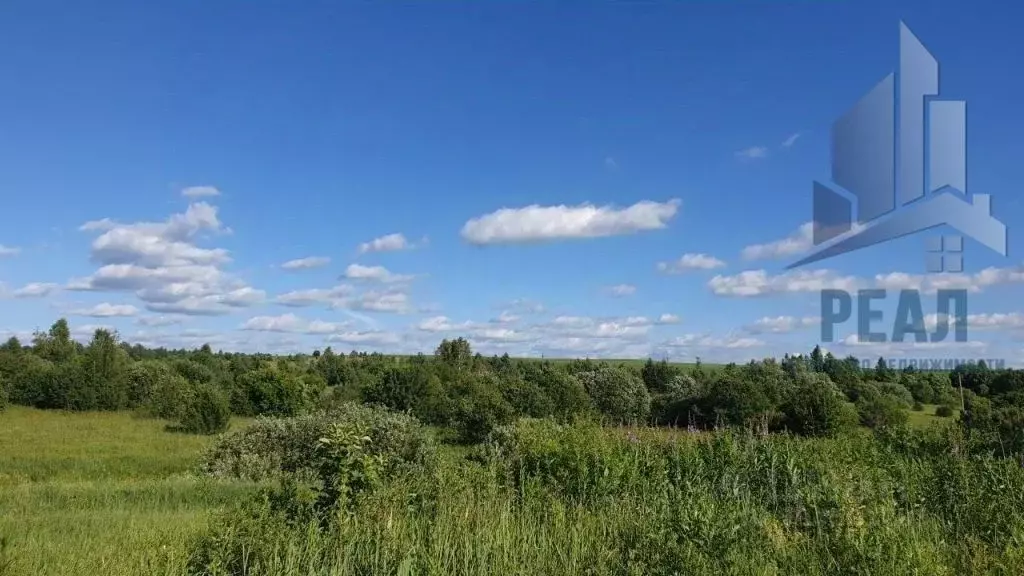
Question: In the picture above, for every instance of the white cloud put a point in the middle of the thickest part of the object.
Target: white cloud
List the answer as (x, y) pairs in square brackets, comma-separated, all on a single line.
[(293, 323), (312, 296), (621, 290), (9, 250), (107, 310), (162, 263), (306, 263), (790, 140), (375, 301), (524, 306), (669, 319), (753, 152), (365, 338), (157, 321), (388, 243), (710, 342), (200, 192), (506, 318), (760, 283), (797, 243), (544, 223), (931, 283), (36, 290), (374, 273), (689, 262), (781, 324)]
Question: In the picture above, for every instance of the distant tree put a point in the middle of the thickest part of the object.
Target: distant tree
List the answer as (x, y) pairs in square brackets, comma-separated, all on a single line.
[(883, 373), (456, 354)]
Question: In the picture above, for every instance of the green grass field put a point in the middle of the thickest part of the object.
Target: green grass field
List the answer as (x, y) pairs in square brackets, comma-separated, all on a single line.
[(98, 493), (111, 494)]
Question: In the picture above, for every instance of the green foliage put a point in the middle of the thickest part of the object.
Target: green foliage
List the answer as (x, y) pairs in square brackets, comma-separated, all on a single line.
[(207, 412), (944, 410), (476, 407), (272, 447), (917, 407), (618, 394), (270, 390), (817, 408), (877, 410), (658, 376)]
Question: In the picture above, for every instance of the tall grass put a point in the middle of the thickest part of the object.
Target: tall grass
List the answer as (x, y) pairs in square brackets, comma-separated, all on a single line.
[(109, 494), (100, 494)]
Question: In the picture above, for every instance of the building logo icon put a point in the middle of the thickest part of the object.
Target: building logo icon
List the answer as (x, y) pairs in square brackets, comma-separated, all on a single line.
[(899, 157)]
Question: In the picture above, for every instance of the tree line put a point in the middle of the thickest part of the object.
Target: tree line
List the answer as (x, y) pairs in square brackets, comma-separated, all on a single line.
[(813, 394)]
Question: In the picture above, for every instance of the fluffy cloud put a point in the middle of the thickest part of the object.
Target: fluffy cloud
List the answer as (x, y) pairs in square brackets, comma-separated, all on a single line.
[(621, 290), (107, 310), (292, 323), (200, 192), (930, 283), (544, 223), (373, 337), (781, 324), (788, 142), (705, 341), (388, 243), (669, 319), (689, 262), (163, 265), (35, 290), (374, 274), (309, 297), (797, 243), (760, 283), (9, 250), (156, 321), (306, 263)]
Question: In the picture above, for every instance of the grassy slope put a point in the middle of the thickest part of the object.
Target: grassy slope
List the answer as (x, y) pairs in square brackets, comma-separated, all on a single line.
[(97, 493)]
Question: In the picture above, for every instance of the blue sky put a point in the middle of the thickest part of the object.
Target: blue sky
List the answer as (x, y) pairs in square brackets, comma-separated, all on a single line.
[(524, 168)]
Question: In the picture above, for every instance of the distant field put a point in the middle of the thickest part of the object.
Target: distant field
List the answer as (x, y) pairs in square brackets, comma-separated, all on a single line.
[(927, 417)]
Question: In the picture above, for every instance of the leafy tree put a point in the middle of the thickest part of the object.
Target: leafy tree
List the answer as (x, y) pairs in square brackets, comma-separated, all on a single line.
[(456, 353), (658, 376), (476, 407), (879, 410), (817, 408), (106, 367), (883, 373), (268, 390), (617, 394)]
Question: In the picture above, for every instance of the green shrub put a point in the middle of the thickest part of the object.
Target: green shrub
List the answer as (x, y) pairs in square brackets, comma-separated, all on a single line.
[(169, 393), (881, 411), (3, 394), (207, 412), (944, 410), (618, 394), (896, 392), (917, 407), (270, 391), (476, 407), (817, 408), (271, 447)]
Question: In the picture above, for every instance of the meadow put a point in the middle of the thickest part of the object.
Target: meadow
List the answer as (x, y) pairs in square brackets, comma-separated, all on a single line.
[(119, 460), (116, 494)]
